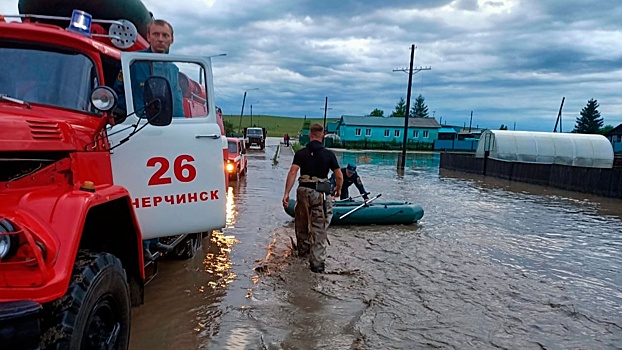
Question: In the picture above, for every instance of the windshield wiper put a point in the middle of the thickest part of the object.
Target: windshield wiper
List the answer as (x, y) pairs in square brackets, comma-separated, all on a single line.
[(5, 97)]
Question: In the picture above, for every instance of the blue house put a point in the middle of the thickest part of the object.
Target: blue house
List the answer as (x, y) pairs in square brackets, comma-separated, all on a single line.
[(331, 127), (387, 129), (615, 137)]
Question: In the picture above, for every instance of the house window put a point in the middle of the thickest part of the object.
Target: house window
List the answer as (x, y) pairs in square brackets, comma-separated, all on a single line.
[(367, 132), (396, 133), (416, 134), (357, 132), (425, 134), (386, 133)]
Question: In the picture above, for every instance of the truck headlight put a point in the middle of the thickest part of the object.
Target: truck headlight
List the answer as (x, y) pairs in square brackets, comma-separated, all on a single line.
[(104, 98), (230, 167), (8, 242)]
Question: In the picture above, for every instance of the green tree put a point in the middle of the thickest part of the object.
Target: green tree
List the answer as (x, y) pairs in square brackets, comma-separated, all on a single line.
[(377, 113), (605, 129), (400, 109), (306, 124), (503, 127), (419, 110), (229, 128), (590, 120)]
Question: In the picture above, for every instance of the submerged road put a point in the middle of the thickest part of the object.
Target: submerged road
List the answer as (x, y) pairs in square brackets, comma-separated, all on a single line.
[(492, 264)]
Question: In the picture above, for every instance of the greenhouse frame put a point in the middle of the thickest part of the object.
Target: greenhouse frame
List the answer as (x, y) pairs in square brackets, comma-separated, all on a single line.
[(581, 150)]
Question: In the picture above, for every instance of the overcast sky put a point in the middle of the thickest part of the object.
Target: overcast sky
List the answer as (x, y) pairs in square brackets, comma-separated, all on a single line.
[(508, 61)]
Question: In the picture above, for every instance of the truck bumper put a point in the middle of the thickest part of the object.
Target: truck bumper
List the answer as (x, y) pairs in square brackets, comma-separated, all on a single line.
[(19, 325)]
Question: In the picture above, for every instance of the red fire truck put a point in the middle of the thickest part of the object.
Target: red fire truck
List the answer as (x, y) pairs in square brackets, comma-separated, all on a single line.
[(83, 183)]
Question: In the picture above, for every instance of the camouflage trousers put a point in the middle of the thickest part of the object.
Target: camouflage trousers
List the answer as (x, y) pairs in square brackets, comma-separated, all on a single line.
[(312, 219)]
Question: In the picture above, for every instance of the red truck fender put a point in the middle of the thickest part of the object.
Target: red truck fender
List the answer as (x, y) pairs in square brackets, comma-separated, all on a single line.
[(102, 220)]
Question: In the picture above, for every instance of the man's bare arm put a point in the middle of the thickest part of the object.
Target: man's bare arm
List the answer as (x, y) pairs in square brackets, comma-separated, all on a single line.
[(338, 182), (289, 183)]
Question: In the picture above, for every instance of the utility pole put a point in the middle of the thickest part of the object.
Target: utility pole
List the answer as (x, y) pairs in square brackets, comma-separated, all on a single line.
[(251, 115), (470, 121), (325, 109), (402, 163), (242, 112), (559, 117)]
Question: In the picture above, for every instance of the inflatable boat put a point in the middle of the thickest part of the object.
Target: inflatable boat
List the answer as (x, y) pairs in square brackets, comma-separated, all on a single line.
[(375, 213)]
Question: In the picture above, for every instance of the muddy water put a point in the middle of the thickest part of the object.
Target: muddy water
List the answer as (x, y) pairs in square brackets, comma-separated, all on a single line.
[(493, 264)]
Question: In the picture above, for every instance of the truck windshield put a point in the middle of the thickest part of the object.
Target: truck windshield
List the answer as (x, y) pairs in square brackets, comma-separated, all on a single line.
[(233, 147), (254, 132), (61, 79)]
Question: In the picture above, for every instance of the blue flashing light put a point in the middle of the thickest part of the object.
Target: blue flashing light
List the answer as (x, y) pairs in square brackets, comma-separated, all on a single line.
[(80, 22)]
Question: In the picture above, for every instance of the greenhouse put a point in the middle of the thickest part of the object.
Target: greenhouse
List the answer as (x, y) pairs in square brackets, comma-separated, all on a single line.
[(582, 150)]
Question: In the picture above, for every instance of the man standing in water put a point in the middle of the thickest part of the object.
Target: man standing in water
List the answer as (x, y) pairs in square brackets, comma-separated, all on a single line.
[(314, 208)]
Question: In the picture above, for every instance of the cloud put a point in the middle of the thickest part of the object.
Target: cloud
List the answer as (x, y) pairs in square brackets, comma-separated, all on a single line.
[(506, 60)]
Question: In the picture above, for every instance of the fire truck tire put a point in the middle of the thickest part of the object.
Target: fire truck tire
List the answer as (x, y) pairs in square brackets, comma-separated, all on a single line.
[(95, 311), (263, 145)]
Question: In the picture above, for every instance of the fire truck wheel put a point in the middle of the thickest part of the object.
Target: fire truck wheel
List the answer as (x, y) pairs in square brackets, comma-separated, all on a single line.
[(95, 311)]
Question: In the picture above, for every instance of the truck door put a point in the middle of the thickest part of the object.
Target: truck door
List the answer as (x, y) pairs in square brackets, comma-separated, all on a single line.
[(174, 173)]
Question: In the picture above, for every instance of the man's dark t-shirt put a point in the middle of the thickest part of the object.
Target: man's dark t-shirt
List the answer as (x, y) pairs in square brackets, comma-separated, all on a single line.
[(315, 160)]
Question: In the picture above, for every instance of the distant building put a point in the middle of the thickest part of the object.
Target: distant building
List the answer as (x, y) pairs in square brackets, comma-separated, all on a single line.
[(331, 128), (615, 137), (378, 129), (457, 138)]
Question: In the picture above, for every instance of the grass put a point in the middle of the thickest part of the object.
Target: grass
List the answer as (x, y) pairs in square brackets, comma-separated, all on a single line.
[(296, 146), (276, 126)]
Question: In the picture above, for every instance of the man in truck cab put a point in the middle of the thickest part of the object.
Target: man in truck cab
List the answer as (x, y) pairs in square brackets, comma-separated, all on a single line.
[(160, 38)]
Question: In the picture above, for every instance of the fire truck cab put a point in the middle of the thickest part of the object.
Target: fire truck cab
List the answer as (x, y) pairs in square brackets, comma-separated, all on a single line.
[(84, 182)]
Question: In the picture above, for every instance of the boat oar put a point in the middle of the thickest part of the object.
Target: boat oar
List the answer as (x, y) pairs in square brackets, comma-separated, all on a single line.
[(351, 198), (359, 207)]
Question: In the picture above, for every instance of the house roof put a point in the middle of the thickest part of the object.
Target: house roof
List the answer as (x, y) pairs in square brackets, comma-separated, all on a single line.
[(447, 130), (332, 127), (394, 122), (615, 131)]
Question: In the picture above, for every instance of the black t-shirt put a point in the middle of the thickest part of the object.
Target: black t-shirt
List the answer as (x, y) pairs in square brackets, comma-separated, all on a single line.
[(315, 160)]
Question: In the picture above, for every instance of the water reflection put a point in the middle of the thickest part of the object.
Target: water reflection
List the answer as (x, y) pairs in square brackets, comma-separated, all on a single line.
[(231, 208), (217, 262), (413, 159)]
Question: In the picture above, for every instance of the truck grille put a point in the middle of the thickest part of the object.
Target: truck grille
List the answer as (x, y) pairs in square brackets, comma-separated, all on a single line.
[(42, 130)]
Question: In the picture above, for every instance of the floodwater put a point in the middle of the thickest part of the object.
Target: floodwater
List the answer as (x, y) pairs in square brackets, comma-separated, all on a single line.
[(492, 264)]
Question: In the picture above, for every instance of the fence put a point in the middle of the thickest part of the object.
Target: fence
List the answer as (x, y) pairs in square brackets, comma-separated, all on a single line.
[(598, 181), (455, 145), (377, 145)]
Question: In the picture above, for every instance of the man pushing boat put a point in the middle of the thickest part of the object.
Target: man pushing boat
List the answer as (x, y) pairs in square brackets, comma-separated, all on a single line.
[(350, 176)]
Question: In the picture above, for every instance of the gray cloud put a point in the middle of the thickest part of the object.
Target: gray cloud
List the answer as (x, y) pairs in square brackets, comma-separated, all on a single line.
[(506, 60)]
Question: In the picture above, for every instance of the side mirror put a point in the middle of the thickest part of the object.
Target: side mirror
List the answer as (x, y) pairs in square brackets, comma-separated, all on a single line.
[(158, 101)]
